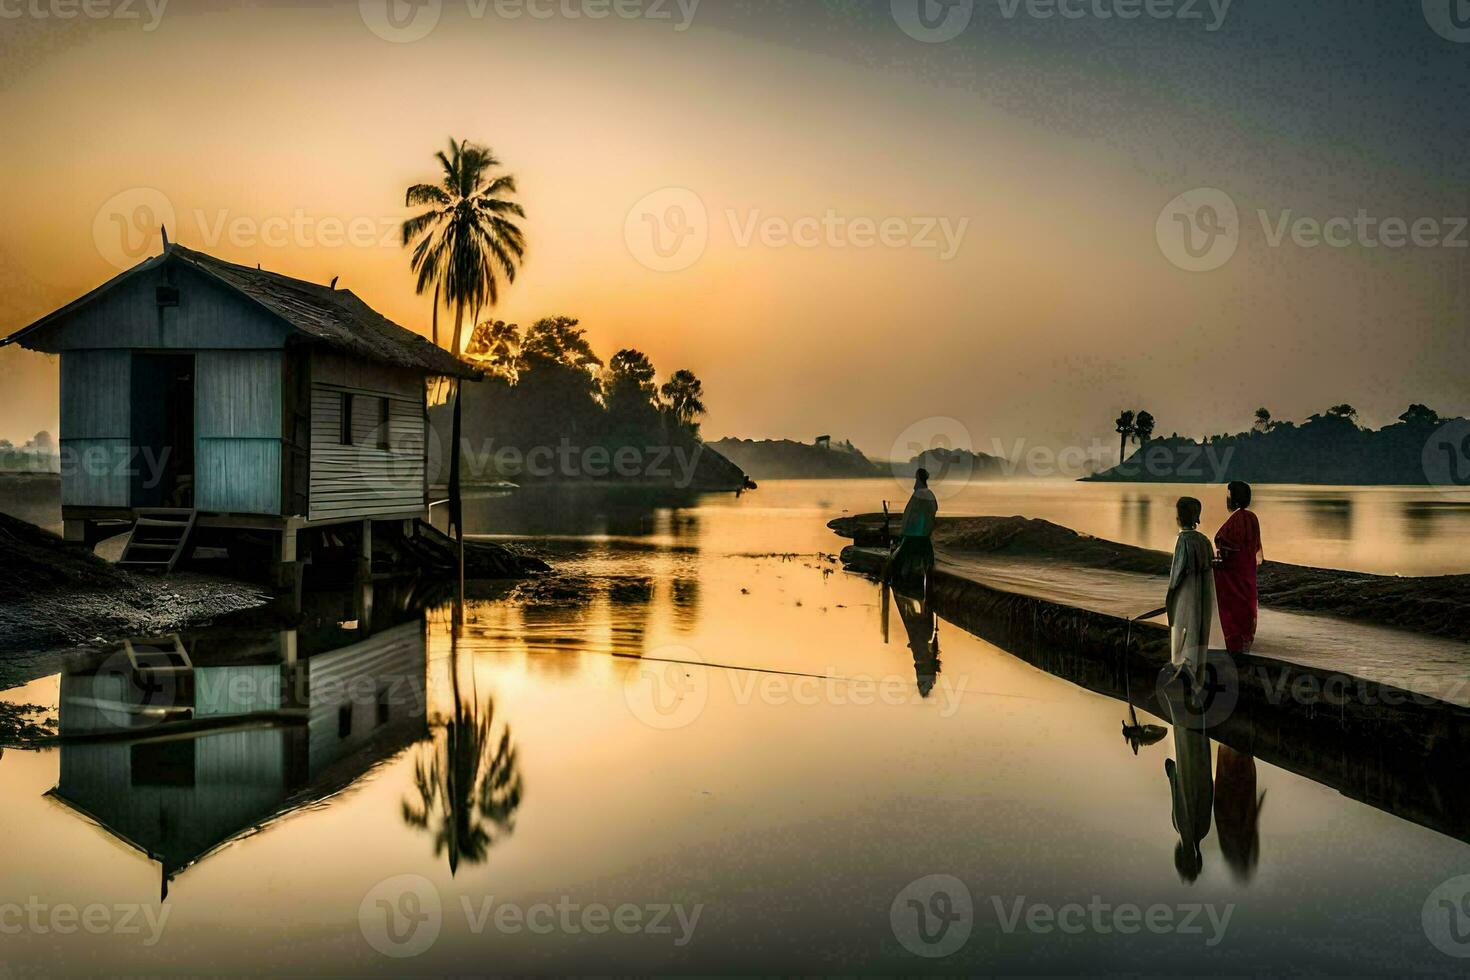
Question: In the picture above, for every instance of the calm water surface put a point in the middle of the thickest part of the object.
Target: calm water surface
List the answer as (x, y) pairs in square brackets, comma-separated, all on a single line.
[(556, 761)]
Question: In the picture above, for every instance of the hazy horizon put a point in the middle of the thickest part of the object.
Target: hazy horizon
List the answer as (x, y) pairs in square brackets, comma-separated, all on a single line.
[(1009, 267)]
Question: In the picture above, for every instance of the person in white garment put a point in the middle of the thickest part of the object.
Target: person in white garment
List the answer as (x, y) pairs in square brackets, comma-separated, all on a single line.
[(914, 555), (1191, 599)]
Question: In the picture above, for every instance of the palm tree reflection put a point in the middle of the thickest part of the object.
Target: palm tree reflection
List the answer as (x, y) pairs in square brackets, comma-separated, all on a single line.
[(468, 782)]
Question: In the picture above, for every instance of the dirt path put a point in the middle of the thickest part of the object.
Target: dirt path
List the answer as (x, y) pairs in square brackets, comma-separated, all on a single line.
[(1436, 605)]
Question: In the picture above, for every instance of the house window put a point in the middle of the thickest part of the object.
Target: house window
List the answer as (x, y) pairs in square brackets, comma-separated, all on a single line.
[(345, 436), (385, 430)]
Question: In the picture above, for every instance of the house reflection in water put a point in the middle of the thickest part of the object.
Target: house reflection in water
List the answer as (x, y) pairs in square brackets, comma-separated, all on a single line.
[(180, 762)]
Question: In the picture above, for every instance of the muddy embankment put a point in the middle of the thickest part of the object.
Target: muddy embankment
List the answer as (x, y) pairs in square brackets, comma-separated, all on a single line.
[(55, 595), (1402, 752), (1437, 605)]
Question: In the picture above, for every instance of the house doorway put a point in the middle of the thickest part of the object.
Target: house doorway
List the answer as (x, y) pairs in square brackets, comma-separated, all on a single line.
[(163, 430)]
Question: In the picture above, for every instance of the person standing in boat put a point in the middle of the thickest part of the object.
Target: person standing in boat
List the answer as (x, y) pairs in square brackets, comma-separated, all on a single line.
[(1191, 598), (1240, 553), (914, 556)]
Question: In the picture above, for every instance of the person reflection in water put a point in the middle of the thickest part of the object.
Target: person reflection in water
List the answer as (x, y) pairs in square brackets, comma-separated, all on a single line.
[(914, 556), (1238, 811), (1191, 786), (1191, 598), (922, 627), (1239, 544)]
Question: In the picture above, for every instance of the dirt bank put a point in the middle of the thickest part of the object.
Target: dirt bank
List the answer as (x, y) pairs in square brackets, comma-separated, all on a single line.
[(1438, 605), (58, 595)]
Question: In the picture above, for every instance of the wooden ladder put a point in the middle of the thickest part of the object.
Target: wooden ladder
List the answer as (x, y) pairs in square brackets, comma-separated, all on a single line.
[(160, 538)]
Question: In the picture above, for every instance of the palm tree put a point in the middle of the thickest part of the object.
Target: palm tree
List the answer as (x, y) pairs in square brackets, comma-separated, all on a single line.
[(1125, 428), (1143, 428), (1263, 420), (684, 394), (466, 239)]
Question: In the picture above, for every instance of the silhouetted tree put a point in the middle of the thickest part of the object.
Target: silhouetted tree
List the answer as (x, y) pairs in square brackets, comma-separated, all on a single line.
[(630, 375), (1143, 428), (466, 240), (684, 393), (631, 396), (1263, 420), (1345, 412), (1420, 415), (559, 340), (1124, 427), (496, 345)]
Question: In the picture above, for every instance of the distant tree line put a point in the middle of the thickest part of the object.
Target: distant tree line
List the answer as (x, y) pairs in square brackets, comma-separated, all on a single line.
[(36, 455), (547, 387), (1329, 447)]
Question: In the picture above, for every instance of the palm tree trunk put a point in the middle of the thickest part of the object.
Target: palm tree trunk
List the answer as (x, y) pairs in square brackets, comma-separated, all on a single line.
[(437, 287), (458, 327)]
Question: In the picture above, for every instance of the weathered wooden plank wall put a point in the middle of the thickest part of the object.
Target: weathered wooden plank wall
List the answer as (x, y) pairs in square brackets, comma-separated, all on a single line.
[(364, 479), (95, 439), (209, 317), (238, 431), (387, 668)]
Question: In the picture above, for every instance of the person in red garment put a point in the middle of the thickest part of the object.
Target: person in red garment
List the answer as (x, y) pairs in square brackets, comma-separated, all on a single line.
[(1238, 545)]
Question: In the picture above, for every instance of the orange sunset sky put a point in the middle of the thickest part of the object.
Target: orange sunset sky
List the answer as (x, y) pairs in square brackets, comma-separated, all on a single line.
[(1054, 146)]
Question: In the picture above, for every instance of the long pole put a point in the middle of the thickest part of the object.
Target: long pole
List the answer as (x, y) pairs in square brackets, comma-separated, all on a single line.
[(456, 500)]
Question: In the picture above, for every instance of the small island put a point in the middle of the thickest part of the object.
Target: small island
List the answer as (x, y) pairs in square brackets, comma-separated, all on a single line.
[(1329, 448), (824, 459)]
